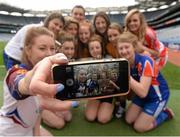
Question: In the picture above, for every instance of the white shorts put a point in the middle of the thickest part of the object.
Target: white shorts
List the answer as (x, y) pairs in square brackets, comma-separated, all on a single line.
[(9, 128)]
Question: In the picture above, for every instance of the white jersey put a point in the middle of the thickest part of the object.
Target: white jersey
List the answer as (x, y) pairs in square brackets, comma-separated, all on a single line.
[(18, 117), (14, 47)]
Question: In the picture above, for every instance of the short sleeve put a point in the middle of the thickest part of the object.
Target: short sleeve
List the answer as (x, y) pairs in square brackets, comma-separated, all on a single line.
[(12, 80)]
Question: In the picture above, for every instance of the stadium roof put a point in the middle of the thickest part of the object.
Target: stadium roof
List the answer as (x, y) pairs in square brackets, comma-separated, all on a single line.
[(8, 8), (144, 5)]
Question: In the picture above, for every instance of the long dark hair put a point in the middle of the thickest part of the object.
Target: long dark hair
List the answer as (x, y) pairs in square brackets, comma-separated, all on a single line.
[(103, 36), (51, 16)]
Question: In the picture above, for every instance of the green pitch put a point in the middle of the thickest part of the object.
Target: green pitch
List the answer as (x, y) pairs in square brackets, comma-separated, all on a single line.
[(117, 127)]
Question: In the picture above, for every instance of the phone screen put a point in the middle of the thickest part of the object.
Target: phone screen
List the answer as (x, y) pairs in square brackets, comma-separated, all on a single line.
[(92, 80)]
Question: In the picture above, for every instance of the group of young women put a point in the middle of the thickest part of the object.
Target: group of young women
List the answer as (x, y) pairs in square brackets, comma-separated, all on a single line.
[(30, 54)]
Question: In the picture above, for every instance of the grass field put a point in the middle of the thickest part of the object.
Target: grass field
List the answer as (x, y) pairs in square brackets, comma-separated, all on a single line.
[(117, 127), (2, 44)]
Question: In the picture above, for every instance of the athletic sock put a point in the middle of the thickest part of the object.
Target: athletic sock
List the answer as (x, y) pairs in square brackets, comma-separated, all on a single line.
[(161, 118)]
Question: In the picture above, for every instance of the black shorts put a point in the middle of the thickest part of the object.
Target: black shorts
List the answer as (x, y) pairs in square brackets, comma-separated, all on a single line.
[(108, 100)]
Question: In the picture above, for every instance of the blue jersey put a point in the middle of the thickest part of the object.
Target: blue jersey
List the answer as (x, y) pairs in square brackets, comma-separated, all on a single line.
[(145, 66)]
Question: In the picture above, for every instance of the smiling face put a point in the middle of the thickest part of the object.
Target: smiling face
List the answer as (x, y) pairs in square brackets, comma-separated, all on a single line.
[(126, 50), (78, 13), (126, 44), (68, 48), (134, 23), (41, 47), (100, 24), (114, 75), (82, 75), (84, 33), (112, 35), (55, 25), (72, 28), (95, 49)]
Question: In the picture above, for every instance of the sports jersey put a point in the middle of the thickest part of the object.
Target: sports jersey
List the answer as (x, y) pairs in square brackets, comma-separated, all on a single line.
[(92, 86), (145, 66), (19, 113), (152, 42)]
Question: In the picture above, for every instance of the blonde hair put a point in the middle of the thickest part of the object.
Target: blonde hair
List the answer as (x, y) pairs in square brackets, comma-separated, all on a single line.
[(31, 34), (95, 37), (89, 25), (64, 36), (69, 20), (143, 24), (80, 70), (116, 26), (129, 38)]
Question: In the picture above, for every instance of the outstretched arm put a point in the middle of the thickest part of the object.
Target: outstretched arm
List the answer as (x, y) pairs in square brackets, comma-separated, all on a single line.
[(37, 82)]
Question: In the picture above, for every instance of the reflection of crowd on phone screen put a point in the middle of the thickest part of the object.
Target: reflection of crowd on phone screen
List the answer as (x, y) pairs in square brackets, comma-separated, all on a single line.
[(95, 80)]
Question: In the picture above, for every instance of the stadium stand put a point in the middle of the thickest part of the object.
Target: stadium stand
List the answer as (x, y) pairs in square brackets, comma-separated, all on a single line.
[(10, 22), (170, 37), (5, 36), (165, 21), (19, 20), (168, 18)]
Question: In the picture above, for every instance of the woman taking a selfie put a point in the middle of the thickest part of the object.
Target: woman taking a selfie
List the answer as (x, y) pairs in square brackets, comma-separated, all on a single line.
[(25, 87)]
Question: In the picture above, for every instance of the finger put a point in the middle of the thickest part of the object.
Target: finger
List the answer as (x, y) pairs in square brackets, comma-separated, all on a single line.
[(44, 67), (55, 104), (42, 74), (59, 58), (45, 89)]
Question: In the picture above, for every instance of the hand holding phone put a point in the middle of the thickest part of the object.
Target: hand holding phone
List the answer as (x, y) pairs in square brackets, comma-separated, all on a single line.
[(92, 79)]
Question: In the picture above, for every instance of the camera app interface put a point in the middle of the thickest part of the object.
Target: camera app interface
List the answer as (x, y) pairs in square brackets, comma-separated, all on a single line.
[(96, 79)]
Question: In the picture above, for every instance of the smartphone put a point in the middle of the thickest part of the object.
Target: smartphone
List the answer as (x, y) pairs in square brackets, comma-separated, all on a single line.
[(92, 79)]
